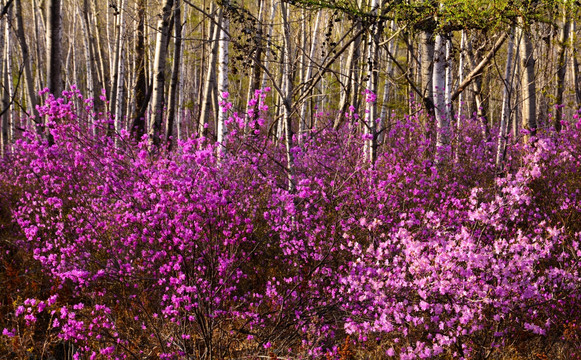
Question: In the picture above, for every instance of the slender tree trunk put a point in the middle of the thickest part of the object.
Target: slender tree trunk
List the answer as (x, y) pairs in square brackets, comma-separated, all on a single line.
[(528, 84), (223, 45), (461, 62), (287, 96), (481, 108), (210, 81), (28, 79), (506, 97), (268, 51), (427, 68), (140, 88), (54, 47), (99, 51), (39, 29), (7, 85), (307, 75), (370, 125), (255, 77), (120, 73), (439, 93), (575, 66), (159, 72), (392, 48), (171, 113), (352, 77), (561, 68)]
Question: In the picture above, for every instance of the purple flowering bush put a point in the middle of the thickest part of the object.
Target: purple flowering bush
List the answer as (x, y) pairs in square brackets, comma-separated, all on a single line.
[(113, 250)]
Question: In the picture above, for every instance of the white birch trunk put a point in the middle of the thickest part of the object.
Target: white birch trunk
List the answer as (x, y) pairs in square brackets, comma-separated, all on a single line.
[(574, 65), (307, 75), (561, 67), (506, 96), (54, 47), (528, 84), (120, 91), (209, 82), (370, 125), (222, 77), (287, 96), (439, 90), (159, 74), (392, 47)]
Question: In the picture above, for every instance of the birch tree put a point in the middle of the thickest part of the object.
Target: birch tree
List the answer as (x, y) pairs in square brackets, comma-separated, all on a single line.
[(210, 80), (159, 72), (506, 100), (561, 66), (173, 92), (54, 47), (26, 62), (370, 125), (140, 87), (528, 83), (222, 81)]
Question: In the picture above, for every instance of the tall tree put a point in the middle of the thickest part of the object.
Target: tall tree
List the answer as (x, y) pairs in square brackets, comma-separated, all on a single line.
[(26, 61), (140, 88), (561, 66), (528, 83), (54, 46), (223, 90), (210, 80), (173, 92), (158, 99)]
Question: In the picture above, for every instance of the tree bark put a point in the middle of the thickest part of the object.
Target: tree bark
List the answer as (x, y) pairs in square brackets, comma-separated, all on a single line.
[(287, 97), (370, 125), (561, 68), (171, 113), (439, 92), (159, 72), (505, 116), (54, 47), (28, 79), (528, 83), (222, 80), (307, 75), (140, 88), (210, 81)]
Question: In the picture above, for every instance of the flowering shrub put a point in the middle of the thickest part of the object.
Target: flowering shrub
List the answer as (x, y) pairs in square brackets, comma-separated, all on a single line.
[(144, 253)]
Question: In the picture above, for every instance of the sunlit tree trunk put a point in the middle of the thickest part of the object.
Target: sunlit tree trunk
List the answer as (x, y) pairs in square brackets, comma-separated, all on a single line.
[(7, 82), (287, 91), (392, 48), (222, 74), (120, 72), (54, 47), (210, 80), (370, 125), (158, 99), (26, 61), (307, 75), (575, 65), (255, 74), (352, 77), (528, 83), (439, 92), (506, 103), (426, 67), (561, 67)]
